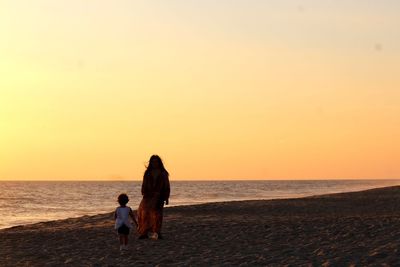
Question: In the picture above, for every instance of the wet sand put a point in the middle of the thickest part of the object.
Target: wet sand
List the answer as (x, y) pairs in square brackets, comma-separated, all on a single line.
[(349, 229)]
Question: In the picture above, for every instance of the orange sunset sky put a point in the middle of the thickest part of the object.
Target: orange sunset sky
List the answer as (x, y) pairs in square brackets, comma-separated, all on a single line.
[(224, 89)]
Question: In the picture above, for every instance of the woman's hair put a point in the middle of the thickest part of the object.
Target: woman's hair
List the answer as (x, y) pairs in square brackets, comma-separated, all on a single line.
[(123, 199), (151, 167)]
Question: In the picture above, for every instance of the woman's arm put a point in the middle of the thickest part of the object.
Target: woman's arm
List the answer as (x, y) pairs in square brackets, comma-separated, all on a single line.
[(133, 217), (144, 184), (167, 189)]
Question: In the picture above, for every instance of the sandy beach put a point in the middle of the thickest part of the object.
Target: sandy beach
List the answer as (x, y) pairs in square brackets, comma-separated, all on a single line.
[(348, 229)]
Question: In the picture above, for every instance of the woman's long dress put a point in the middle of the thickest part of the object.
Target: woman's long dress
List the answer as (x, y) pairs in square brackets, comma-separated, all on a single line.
[(155, 191)]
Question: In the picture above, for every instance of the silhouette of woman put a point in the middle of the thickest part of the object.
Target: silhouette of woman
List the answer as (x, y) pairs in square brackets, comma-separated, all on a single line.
[(155, 191)]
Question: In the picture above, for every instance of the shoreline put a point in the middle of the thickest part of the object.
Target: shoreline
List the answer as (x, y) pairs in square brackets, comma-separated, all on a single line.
[(342, 229), (201, 203)]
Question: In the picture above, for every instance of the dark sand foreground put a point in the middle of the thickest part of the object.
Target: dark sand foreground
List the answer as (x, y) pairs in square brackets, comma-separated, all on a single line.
[(350, 229)]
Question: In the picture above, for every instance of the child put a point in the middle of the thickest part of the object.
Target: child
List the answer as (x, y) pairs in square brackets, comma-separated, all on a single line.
[(122, 223)]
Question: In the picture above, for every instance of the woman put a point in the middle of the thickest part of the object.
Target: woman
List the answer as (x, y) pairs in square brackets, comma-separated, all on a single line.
[(155, 191)]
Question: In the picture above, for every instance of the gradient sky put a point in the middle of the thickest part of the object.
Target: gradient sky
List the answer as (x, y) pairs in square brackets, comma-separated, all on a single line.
[(244, 89)]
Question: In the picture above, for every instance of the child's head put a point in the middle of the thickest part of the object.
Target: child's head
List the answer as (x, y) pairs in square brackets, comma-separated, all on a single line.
[(123, 199)]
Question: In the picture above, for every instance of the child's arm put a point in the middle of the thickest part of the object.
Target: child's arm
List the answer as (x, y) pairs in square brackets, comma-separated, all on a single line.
[(115, 214), (133, 217)]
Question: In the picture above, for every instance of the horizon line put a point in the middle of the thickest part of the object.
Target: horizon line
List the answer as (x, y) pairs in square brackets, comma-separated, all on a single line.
[(196, 180)]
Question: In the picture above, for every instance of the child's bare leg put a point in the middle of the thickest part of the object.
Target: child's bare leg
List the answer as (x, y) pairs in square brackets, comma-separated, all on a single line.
[(125, 240), (121, 239)]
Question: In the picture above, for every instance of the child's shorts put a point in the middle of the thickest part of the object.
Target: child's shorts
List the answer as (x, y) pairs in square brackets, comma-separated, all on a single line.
[(123, 230)]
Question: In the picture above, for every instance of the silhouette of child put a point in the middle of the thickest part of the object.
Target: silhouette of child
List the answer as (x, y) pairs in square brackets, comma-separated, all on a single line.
[(122, 222)]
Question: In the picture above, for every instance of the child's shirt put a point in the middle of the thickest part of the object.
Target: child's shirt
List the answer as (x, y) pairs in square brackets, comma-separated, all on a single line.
[(122, 214)]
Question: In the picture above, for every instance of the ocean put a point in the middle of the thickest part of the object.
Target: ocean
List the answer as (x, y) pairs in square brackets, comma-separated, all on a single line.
[(24, 202)]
